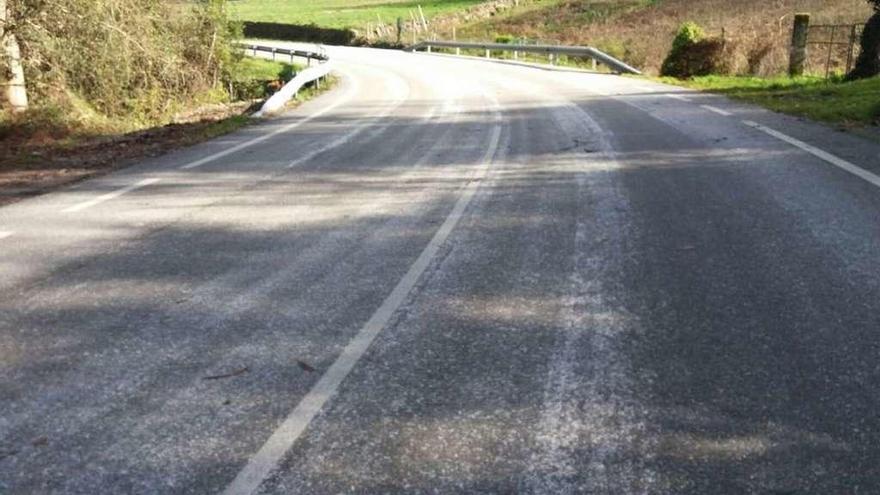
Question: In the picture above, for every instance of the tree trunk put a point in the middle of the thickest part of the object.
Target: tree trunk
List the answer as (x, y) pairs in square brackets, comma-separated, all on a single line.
[(868, 63), (15, 92)]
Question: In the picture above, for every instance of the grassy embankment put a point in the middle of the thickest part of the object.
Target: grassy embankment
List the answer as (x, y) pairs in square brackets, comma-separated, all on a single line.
[(41, 151), (341, 13), (848, 103), (641, 32)]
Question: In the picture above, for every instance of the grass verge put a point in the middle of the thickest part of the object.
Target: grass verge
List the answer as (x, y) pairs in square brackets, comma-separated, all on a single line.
[(850, 104), (37, 156), (341, 13)]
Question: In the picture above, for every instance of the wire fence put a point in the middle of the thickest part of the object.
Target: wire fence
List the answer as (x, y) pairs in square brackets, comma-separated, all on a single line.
[(833, 48)]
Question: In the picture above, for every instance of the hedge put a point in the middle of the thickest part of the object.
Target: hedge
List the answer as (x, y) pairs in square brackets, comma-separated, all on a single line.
[(299, 32)]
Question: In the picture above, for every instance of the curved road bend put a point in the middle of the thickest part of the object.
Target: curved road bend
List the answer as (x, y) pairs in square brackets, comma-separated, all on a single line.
[(454, 276)]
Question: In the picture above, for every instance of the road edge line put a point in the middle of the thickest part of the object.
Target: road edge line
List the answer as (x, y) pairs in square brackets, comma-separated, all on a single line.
[(818, 153)]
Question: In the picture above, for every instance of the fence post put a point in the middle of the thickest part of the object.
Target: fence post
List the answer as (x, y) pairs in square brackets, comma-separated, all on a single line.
[(798, 54), (853, 39)]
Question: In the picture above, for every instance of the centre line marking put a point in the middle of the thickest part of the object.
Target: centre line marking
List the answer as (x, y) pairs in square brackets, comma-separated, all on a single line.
[(717, 110), (4, 234), (270, 454), (824, 155), (109, 196)]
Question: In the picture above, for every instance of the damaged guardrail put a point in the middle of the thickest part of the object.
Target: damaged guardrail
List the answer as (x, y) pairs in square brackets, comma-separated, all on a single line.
[(576, 51), (277, 101)]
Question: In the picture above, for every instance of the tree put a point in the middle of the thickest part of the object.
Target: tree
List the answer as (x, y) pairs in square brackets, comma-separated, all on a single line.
[(15, 93), (868, 63)]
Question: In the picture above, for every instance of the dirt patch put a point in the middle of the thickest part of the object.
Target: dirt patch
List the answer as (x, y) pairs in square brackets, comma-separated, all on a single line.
[(38, 162)]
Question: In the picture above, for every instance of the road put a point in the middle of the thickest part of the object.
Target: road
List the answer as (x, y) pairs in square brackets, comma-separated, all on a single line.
[(455, 276)]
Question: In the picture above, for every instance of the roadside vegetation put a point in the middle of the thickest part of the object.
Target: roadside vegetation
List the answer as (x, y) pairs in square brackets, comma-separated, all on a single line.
[(341, 13), (92, 84), (851, 103)]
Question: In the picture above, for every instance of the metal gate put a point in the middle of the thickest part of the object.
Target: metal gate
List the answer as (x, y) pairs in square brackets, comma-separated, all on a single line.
[(838, 47)]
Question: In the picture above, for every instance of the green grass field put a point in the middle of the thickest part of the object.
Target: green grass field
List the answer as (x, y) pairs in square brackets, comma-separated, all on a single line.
[(848, 103), (340, 13)]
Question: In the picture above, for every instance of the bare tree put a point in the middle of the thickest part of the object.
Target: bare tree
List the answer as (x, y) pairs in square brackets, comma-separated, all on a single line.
[(15, 92), (868, 64)]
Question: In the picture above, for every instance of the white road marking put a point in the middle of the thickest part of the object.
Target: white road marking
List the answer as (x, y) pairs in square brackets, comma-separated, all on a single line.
[(270, 454), (717, 110), (4, 234), (824, 155), (109, 196), (676, 97), (403, 91), (646, 89), (238, 147)]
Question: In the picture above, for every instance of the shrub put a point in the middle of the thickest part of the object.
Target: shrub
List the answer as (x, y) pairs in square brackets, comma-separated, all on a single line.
[(693, 55), (868, 63), (138, 60), (299, 32), (688, 34), (505, 38)]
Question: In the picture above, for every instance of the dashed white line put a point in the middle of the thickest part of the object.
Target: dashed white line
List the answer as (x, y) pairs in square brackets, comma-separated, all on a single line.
[(717, 110), (270, 454), (676, 97), (4, 234), (109, 196), (238, 147), (646, 89), (824, 155)]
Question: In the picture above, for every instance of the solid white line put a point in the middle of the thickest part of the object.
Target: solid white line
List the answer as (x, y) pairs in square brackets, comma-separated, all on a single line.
[(4, 234), (646, 89), (270, 454), (717, 110), (828, 157), (109, 196), (238, 147), (676, 97)]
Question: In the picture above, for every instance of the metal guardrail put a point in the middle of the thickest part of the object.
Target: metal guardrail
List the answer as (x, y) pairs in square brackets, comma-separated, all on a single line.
[(277, 101), (552, 50), (319, 53)]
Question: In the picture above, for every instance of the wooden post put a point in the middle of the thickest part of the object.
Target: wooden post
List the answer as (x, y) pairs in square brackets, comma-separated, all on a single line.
[(424, 21), (798, 54), (15, 92)]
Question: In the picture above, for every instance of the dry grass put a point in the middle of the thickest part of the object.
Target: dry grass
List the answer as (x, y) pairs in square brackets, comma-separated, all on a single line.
[(641, 31)]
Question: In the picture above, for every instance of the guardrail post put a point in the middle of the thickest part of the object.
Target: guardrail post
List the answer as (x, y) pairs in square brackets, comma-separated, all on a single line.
[(593, 63), (273, 54), (798, 54), (488, 54), (429, 48)]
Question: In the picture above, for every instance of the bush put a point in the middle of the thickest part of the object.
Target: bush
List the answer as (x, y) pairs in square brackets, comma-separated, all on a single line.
[(868, 63), (136, 60), (693, 55), (299, 32), (505, 38)]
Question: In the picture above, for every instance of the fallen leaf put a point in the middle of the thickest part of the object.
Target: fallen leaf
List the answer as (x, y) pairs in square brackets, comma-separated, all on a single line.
[(305, 366), (227, 375)]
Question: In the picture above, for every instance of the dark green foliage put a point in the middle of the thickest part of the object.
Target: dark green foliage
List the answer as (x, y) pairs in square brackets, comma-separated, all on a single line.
[(868, 63), (299, 32), (693, 55)]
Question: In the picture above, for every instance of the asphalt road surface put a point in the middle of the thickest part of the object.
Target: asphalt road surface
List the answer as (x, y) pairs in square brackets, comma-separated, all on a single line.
[(455, 276)]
